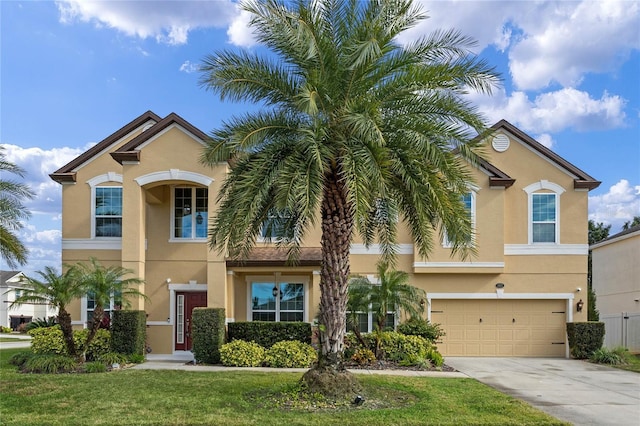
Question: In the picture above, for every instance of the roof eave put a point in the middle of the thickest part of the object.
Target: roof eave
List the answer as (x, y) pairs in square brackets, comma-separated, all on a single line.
[(64, 177), (122, 156)]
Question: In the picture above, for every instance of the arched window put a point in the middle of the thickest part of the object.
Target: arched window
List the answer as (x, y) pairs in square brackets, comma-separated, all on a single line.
[(544, 212)]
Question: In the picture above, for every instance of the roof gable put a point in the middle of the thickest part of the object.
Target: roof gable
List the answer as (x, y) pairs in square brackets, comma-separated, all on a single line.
[(131, 150), (67, 173), (581, 179)]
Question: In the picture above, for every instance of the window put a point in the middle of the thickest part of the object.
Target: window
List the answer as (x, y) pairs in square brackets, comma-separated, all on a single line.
[(469, 201), (544, 205), (274, 228), (115, 303), (366, 321), (108, 211), (277, 301), (543, 220), (190, 213)]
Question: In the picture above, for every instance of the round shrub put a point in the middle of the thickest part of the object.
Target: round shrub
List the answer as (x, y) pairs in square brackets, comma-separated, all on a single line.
[(404, 349), (100, 345), (242, 354), (290, 354), (421, 327), (363, 356)]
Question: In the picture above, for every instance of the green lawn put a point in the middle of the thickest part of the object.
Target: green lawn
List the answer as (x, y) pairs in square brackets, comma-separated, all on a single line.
[(143, 397), (633, 365), (9, 339)]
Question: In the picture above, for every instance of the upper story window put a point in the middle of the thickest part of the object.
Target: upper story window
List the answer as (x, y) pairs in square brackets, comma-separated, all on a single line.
[(274, 227), (469, 201), (190, 219), (108, 211), (544, 212), (543, 221)]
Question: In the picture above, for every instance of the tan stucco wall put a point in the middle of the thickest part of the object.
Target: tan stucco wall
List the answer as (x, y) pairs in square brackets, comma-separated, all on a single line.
[(616, 275)]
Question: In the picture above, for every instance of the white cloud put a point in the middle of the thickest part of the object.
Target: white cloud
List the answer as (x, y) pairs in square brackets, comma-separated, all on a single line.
[(189, 67), (554, 111), (619, 205), (547, 42), (167, 21), (239, 32)]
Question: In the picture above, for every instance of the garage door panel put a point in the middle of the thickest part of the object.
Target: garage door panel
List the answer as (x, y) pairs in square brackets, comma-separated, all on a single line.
[(501, 327)]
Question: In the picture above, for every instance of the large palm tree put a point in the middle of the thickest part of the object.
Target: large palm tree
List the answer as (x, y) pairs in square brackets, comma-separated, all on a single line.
[(12, 213), (103, 283), (58, 290), (354, 127)]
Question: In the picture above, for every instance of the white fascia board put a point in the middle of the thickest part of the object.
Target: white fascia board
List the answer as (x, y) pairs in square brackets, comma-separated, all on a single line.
[(545, 249)]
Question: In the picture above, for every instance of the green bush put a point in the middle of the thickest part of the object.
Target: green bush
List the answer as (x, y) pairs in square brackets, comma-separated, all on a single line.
[(584, 338), (267, 333), (404, 349), (95, 367), (136, 358), (290, 354), (4, 329), (41, 323), (111, 358), (616, 356), (20, 358), (242, 354), (128, 332), (363, 356), (421, 327), (435, 357), (50, 341), (208, 332), (49, 364)]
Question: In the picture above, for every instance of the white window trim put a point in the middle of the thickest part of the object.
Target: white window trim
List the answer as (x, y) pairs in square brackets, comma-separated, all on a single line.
[(535, 188), (172, 237), (84, 316), (93, 183), (445, 241), (277, 279)]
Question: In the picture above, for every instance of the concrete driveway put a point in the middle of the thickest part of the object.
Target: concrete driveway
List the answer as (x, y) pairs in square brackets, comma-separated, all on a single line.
[(575, 391)]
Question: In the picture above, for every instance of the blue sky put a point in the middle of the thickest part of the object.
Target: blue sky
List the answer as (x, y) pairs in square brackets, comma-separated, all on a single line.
[(73, 72)]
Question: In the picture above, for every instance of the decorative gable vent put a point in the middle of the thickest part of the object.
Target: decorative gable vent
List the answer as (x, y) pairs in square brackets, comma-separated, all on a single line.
[(500, 143)]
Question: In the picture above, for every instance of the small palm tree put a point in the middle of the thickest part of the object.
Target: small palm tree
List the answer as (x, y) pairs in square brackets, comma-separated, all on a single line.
[(392, 294), (103, 283), (12, 213), (58, 290)]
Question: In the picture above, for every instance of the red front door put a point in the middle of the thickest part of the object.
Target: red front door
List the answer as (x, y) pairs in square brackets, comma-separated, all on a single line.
[(185, 302)]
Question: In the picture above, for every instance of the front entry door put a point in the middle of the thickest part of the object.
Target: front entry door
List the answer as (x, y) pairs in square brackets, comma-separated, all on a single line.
[(185, 302)]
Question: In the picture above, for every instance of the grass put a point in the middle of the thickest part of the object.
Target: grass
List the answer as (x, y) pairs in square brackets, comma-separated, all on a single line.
[(633, 364), (9, 339), (146, 397)]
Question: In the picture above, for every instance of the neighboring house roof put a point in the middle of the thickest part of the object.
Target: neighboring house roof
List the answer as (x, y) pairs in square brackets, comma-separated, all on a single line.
[(628, 233), (6, 276), (67, 173), (581, 179), (273, 256)]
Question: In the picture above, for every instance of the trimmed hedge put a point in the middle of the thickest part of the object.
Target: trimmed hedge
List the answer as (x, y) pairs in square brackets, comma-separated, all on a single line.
[(129, 332), (266, 333), (585, 338), (207, 328)]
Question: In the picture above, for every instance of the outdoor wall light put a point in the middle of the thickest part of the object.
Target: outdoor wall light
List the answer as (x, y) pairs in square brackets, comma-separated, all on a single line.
[(579, 305), (500, 285), (199, 219), (186, 210), (579, 289), (274, 292)]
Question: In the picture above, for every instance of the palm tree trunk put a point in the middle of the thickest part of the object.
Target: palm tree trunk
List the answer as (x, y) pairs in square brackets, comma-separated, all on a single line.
[(64, 319), (98, 315), (330, 376)]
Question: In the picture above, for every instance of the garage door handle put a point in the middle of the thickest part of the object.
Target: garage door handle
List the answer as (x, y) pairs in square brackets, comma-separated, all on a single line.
[(513, 320), (557, 343), (480, 319)]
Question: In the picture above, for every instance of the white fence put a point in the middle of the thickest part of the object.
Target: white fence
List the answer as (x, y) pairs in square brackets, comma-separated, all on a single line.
[(622, 329)]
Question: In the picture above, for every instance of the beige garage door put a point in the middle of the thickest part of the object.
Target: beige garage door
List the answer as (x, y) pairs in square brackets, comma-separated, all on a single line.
[(501, 327)]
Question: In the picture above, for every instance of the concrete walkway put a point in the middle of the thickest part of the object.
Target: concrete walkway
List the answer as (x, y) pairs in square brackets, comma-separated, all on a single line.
[(575, 391)]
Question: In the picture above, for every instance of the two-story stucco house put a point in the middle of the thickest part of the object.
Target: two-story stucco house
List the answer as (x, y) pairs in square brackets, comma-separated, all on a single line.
[(141, 199)]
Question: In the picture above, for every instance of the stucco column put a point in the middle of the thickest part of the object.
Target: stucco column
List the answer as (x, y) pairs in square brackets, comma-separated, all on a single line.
[(133, 231), (314, 295)]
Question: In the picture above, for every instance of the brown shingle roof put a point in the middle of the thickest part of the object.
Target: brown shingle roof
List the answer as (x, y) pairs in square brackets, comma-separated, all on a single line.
[(581, 181), (129, 151), (66, 173), (273, 256)]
